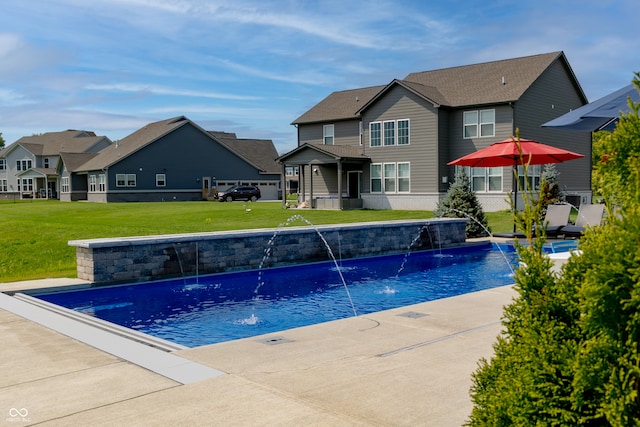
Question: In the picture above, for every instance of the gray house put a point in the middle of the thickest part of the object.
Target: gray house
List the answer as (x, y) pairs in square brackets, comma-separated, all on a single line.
[(31, 167), (172, 159), (387, 147)]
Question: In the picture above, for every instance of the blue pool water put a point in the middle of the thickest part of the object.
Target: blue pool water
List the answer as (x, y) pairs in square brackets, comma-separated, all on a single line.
[(224, 307)]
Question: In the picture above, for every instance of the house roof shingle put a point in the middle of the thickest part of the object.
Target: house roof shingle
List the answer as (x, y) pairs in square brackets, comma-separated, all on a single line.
[(54, 143), (468, 85), (261, 153)]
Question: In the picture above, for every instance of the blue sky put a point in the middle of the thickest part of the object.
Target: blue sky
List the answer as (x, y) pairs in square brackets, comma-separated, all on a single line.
[(254, 66)]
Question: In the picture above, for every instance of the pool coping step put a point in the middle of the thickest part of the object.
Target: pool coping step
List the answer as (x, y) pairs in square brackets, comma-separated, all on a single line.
[(129, 347)]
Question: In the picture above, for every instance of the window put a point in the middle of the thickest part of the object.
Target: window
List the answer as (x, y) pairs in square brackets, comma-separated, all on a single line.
[(102, 184), (3, 164), (64, 184), (389, 177), (485, 179), (161, 180), (403, 132), (389, 133), (92, 183), (404, 174), (478, 123), (291, 171), (327, 134), (375, 134), (376, 178), (4, 187), (360, 131), (27, 185), (533, 171), (125, 180), (45, 162), (23, 165)]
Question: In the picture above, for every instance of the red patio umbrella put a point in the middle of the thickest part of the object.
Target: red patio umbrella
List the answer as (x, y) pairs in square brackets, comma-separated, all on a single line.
[(514, 152)]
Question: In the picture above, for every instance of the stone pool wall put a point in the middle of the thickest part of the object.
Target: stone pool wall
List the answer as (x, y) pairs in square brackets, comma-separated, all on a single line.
[(133, 259)]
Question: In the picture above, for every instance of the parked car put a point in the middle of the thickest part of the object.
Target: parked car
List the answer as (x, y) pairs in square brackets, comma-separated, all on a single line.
[(240, 192)]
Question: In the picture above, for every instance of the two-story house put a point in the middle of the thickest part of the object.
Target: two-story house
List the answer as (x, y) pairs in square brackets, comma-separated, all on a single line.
[(30, 167), (387, 147)]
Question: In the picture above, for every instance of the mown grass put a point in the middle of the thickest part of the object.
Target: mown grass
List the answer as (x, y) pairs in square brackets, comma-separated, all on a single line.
[(34, 235)]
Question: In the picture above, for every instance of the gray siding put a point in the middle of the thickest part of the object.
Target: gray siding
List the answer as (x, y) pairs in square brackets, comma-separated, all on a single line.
[(346, 132), (552, 95), (422, 150), (185, 156)]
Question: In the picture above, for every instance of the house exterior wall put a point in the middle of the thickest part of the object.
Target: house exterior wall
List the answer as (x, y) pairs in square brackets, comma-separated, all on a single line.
[(422, 150), (184, 156), (552, 95), (346, 132), (11, 170)]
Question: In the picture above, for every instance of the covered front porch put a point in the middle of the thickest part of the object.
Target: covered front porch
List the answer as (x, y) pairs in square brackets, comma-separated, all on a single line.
[(38, 183), (330, 176)]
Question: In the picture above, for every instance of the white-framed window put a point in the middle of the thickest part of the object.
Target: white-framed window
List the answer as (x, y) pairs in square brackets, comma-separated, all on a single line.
[(45, 162), (534, 173), (389, 132), (389, 171), (327, 134), (93, 181), (3, 164), (125, 180), (102, 183), (291, 171), (478, 123), (375, 134), (64, 184), (404, 177), (485, 180), (360, 131), (23, 165), (403, 132), (27, 185), (4, 185), (161, 180), (376, 177)]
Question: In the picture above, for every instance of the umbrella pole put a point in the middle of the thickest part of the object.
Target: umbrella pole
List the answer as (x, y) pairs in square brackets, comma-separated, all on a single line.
[(516, 178)]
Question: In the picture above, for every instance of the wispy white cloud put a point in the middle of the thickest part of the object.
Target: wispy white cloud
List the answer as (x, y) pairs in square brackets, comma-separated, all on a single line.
[(159, 90)]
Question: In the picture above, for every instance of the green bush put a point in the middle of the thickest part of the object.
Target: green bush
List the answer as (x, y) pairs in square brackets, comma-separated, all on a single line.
[(570, 350), (461, 202)]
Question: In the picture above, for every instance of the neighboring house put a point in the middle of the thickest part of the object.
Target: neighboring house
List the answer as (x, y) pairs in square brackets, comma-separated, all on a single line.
[(172, 159), (387, 147), (30, 167)]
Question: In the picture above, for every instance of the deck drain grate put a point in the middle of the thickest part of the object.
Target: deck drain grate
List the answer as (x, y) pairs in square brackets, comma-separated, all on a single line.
[(274, 340), (413, 315)]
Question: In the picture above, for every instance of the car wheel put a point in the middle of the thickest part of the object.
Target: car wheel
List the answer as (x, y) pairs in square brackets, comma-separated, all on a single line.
[(254, 198), (229, 199)]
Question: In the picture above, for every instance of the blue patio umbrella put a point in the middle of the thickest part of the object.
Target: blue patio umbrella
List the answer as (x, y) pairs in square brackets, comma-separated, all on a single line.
[(602, 114)]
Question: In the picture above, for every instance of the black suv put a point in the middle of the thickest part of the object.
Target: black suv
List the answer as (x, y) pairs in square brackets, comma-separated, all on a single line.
[(240, 192)]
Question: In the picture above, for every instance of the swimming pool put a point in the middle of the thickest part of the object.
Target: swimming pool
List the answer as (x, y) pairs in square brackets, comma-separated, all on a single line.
[(223, 307)]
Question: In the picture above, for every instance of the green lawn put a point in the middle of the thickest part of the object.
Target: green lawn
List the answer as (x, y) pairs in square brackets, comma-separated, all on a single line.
[(34, 234)]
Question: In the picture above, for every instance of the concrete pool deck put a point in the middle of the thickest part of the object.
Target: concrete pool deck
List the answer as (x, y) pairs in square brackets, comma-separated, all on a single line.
[(407, 366)]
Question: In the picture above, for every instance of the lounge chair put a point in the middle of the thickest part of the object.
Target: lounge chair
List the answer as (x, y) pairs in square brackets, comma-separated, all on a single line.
[(588, 216), (556, 218)]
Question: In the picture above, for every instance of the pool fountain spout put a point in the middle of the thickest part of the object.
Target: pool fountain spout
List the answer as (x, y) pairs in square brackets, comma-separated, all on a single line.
[(269, 248)]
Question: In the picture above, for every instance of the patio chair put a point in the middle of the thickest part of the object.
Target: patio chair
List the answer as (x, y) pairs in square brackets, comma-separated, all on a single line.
[(588, 216), (556, 218)]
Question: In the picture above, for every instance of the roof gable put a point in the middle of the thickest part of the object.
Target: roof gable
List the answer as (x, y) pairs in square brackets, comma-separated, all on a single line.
[(341, 105), (335, 152), (134, 142)]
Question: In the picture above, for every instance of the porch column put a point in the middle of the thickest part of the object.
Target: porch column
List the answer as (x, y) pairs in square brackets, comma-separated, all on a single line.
[(283, 185), (339, 184), (310, 186)]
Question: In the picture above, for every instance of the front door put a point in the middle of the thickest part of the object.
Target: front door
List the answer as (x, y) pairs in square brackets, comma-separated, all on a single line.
[(206, 186), (353, 184)]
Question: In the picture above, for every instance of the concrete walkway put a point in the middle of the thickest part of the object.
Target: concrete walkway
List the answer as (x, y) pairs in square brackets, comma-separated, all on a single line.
[(407, 366)]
